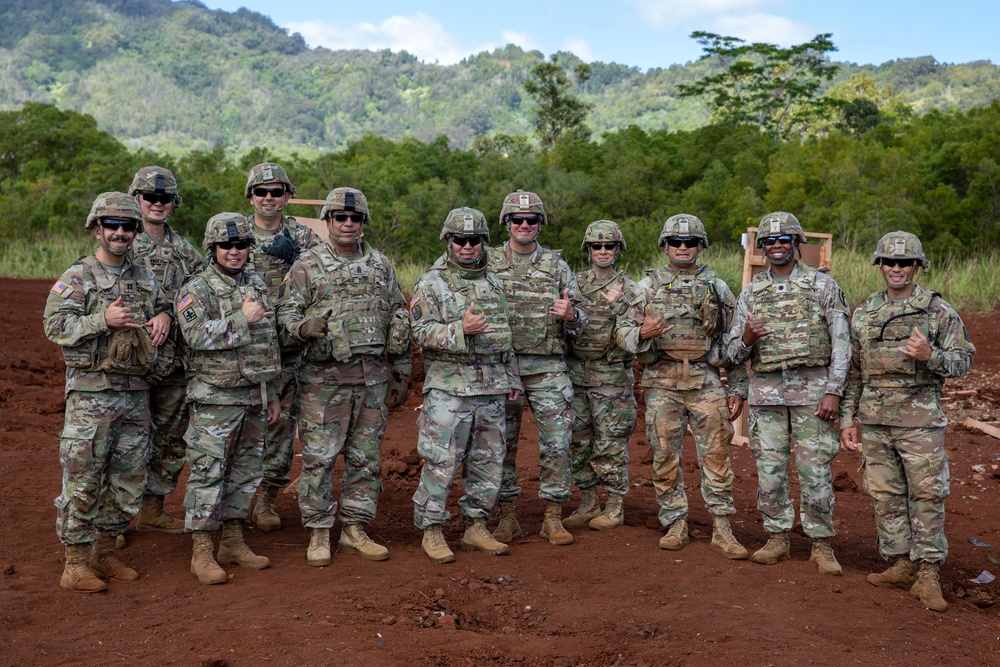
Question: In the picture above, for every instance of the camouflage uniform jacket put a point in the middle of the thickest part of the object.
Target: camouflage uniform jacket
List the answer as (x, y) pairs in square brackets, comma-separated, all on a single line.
[(594, 358), (74, 317), (230, 361), (910, 391), (532, 282), (365, 311), (804, 385), (656, 291), (457, 364)]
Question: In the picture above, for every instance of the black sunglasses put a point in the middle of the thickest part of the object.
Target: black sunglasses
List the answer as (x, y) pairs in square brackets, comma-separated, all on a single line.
[(274, 192), (902, 263), (602, 246), (157, 198), (784, 239), (344, 217), (117, 223), (685, 242), (532, 221), (463, 241), (229, 245)]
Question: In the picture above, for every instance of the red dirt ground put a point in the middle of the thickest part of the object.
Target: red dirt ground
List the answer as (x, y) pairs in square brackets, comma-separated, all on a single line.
[(613, 598)]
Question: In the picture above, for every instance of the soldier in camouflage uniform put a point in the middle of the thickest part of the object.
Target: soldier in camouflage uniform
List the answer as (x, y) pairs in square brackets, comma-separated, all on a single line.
[(905, 341), (604, 408), (233, 381), (342, 300), (278, 240), (470, 367), (545, 308), (676, 321), (110, 317), (791, 324), (173, 259)]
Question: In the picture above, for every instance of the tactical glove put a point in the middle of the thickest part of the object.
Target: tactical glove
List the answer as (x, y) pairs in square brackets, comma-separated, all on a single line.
[(399, 390), (283, 247), (313, 327)]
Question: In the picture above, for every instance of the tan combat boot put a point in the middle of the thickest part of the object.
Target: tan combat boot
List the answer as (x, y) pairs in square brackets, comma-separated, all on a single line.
[(104, 564), (676, 537), (552, 528), (724, 542), (152, 517), (264, 514), (120, 542), (927, 588), (901, 575), (435, 546), (778, 548), (822, 555), (590, 508), (354, 540), (203, 564), (77, 576), (508, 529), (613, 515), (232, 548), (478, 538), (318, 554)]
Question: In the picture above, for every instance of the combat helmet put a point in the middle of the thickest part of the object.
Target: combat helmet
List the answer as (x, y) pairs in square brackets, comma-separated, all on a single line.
[(268, 172), (155, 179), (114, 205), (522, 202), (603, 230), (900, 245), (465, 221), (779, 223), (686, 226), (345, 199), (223, 227)]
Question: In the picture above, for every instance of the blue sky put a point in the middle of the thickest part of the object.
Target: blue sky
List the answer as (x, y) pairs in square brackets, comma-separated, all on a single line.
[(641, 33)]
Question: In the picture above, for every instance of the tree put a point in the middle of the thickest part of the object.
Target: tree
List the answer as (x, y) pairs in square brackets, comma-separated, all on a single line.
[(558, 113), (862, 105), (762, 84)]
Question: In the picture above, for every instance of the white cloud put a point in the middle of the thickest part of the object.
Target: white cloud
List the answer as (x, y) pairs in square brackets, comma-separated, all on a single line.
[(519, 39), (675, 12), (764, 28), (580, 48), (418, 33)]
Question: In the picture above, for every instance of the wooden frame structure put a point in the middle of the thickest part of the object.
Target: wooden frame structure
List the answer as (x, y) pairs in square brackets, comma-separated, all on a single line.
[(314, 224)]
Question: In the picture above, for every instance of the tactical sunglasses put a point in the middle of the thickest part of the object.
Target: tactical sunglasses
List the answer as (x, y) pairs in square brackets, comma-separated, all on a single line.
[(274, 192), (157, 198), (602, 246), (901, 263), (784, 239), (532, 221), (344, 217), (118, 223), (463, 241), (229, 245), (683, 242)]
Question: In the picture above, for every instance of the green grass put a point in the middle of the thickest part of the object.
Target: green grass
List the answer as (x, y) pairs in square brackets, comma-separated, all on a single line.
[(42, 257)]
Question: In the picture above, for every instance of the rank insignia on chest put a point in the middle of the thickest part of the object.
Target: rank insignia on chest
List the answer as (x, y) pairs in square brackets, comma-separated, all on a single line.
[(184, 303), (128, 286)]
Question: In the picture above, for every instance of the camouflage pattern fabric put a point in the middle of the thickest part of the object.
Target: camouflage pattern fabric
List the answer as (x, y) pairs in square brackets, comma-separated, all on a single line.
[(334, 419), (279, 445), (172, 258), (169, 414), (772, 429), (224, 447), (603, 421), (102, 449)]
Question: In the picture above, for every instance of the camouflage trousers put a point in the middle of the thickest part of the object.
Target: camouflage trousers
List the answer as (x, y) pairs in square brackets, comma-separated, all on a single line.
[(772, 430), (906, 474), (455, 431), (668, 414), (102, 449), (169, 413), (334, 418), (224, 447), (550, 396), (603, 421), (279, 448)]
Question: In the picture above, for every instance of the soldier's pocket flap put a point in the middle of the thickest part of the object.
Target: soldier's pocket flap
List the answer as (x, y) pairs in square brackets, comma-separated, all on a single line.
[(337, 334), (79, 432)]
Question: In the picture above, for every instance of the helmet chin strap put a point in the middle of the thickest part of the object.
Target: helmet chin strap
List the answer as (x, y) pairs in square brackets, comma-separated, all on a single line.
[(103, 242), (467, 263), (533, 239), (603, 265), (789, 257)]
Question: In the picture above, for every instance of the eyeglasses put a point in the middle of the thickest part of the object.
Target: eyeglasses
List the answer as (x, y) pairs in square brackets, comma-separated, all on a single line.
[(683, 242), (901, 263), (344, 217), (784, 239), (274, 192), (463, 241), (532, 221), (602, 246), (229, 245), (157, 198), (116, 224)]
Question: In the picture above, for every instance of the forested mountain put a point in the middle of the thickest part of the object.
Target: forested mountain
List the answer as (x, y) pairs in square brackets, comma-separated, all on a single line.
[(175, 76)]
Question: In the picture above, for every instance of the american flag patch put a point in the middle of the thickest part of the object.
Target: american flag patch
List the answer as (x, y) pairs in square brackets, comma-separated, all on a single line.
[(414, 301), (184, 303), (59, 288)]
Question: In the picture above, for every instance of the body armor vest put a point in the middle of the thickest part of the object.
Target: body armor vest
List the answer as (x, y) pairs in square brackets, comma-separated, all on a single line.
[(252, 363), (137, 289), (597, 341), (271, 269), (163, 260), (531, 290), (689, 304), (791, 310), (885, 328)]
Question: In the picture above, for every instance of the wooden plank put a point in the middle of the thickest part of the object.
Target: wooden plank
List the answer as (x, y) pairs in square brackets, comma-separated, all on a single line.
[(977, 425), (314, 224)]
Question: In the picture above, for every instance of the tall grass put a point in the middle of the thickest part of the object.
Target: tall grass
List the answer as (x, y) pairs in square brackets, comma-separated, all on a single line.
[(42, 256)]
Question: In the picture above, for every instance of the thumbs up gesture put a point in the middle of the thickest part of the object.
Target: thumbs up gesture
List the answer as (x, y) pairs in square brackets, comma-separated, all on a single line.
[(252, 309), (120, 317), (562, 308), (473, 324), (651, 327), (753, 330), (917, 347)]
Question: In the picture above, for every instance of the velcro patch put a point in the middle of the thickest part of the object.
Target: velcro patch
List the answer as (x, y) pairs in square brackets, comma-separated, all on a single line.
[(184, 303), (62, 289), (414, 301)]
